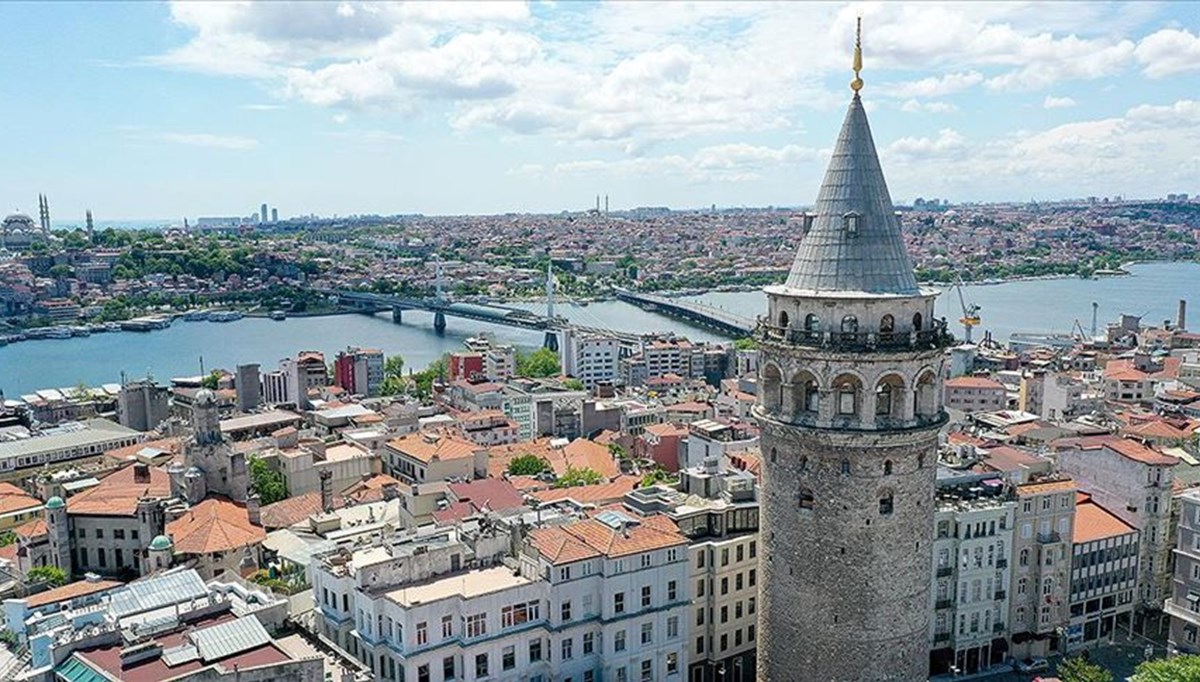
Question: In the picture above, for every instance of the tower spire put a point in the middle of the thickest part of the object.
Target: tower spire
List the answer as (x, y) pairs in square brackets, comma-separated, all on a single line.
[(857, 83)]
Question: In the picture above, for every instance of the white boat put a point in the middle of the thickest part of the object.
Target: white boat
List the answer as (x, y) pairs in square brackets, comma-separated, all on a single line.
[(225, 316)]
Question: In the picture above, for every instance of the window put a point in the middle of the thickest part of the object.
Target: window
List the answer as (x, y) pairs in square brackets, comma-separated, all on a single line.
[(619, 641), (476, 625), (783, 318), (447, 626), (422, 634), (589, 643), (647, 633), (672, 663), (481, 665), (847, 396), (619, 602), (845, 467), (672, 591), (647, 670), (700, 558), (700, 616), (672, 627), (883, 400), (850, 223), (568, 648), (725, 585), (887, 467), (566, 610), (724, 614), (646, 560), (646, 597), (423, 673), (100, 558), (887, 324), (535, 650), (753, 577), (885, 504), (699, 645), (448, 668), (724, 642), (849, 324), (725, 557), (917, 322), (811, 323), (520, 614), (118, 533), (700, 587), (508, 658), (99, 533), (753, 548), (812, 396), (740, 552), (118, 559)]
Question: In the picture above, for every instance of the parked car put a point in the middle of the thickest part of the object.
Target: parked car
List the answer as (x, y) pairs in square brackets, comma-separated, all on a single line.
[(1033, 665)]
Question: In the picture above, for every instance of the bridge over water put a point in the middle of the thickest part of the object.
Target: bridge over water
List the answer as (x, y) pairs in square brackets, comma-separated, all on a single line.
[(707, 316), (480, 312)]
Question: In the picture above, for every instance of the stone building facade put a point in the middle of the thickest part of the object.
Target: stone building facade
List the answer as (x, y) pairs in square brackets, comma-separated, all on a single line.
[(851, 360)]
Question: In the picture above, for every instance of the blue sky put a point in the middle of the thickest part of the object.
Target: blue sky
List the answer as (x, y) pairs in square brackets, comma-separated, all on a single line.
[(148, 110)]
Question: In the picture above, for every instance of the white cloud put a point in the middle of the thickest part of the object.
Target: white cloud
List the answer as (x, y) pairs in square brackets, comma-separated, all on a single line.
[(1169, 52), (948, 143), (724, 163), (205, 140), (914, 106), (1052, 102), (935, 86), (262, 107)]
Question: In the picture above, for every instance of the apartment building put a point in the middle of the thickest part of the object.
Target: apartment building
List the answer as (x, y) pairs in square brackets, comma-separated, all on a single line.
[(975, 394), (972, 549), (1104, 563), (359, 371), (591, 358), (1134, 482), (1039, 606), (1183, 604), (428, 456), (718, 512)]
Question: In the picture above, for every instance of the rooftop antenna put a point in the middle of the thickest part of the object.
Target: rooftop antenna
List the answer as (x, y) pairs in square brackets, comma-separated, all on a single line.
[(857, 83)]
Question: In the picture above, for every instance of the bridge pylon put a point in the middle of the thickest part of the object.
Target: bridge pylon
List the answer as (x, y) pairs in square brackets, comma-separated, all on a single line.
[(550, 340), (439, 322), (397, 314)]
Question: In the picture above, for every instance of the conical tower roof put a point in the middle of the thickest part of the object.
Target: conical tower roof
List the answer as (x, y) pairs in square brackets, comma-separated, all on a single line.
[(854, 244)]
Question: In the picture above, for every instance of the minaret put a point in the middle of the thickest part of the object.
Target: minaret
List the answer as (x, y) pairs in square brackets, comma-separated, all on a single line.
[(850, 367), (90, 230), (44, 214)]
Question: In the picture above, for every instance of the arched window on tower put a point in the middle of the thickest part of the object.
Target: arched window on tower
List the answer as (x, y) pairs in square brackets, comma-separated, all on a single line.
[(917, 320), (1024, 559), (850, 224), (812, 323), (883, 399), (812, 396), (806, 499), (845, 467), (887, 467), (783, 319), (887, 324), (847, 396), (886, 503), (849, 324)]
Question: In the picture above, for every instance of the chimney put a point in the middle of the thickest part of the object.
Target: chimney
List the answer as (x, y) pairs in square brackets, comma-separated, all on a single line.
[(1181, 316), (141, 473), (390, 491), (254, 509), (326, 490)]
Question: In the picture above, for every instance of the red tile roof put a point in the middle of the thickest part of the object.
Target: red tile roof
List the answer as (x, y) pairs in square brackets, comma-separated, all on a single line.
[(592, 538), (1093, 522), (13, 499), (71, 591), (214, 525), (974, 382), (118, 493)]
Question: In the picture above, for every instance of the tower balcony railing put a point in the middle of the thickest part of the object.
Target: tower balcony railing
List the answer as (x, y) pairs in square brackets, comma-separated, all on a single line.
[(937, 336)]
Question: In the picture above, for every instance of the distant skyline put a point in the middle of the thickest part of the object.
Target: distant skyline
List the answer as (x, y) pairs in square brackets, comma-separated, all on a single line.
[(164, 110)]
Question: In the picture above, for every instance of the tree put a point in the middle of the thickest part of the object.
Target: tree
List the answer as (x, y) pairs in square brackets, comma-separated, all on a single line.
[(542, 362), (1080, 669), (527, 465), (266, 482), (7, 538), (574, 384), (575, 477), (1177, 669), (394, 366), (61, 271), (392, 385), (51, 575), (212, 381), (747, 343), (655, 476)]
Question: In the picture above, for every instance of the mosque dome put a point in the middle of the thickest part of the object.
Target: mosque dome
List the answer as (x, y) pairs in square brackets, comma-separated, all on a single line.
[(161, 543), (55, 502), (17, 223)]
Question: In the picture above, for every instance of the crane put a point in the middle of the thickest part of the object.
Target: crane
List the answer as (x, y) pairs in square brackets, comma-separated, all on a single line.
[(970, 318)]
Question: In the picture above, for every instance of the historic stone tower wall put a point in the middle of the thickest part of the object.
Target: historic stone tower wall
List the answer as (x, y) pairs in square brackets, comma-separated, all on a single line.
[(847, 517)]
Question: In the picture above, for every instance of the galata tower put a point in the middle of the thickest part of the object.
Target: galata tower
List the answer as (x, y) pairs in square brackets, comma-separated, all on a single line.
[(850, 405)]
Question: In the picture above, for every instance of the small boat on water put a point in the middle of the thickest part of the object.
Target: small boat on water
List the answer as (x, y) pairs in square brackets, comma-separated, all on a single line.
[(145, 324), (195, 316), (225, 315), (278, 315), (112, 326), (81, 330)]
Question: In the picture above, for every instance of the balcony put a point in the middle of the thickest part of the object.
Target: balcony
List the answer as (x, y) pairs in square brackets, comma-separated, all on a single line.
[(1049, 538), (943, 571), (935, 337), (944, 604), (939, 637), (1000, 594)]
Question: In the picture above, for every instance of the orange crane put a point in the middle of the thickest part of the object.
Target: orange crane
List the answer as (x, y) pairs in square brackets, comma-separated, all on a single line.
[(970, 318)]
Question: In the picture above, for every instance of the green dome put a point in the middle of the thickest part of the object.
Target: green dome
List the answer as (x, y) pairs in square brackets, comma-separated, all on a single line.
[(55, 502), (160, 543)]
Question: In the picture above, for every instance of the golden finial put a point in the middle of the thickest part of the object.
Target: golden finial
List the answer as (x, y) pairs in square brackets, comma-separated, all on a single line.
[(857, 83)]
